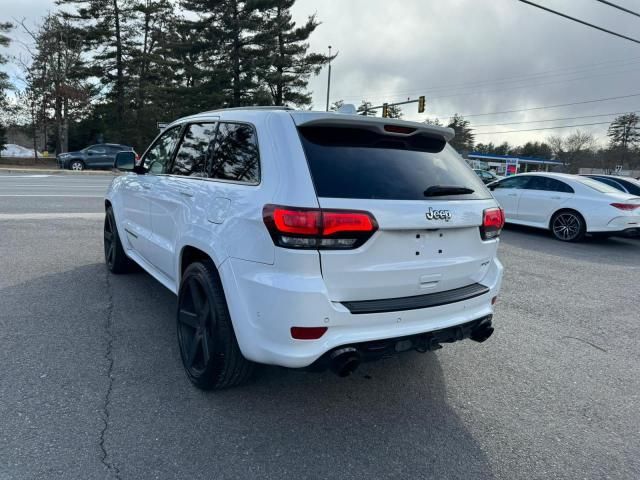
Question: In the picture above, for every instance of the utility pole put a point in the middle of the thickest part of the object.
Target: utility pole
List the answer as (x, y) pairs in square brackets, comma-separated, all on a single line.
[(329, 79)]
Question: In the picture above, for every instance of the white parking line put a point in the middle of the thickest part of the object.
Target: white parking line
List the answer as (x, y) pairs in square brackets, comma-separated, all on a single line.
[(51, 216), (23, 176), (49, 195)]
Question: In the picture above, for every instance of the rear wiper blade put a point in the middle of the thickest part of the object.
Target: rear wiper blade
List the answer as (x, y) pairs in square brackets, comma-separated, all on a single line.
[(441, 190)]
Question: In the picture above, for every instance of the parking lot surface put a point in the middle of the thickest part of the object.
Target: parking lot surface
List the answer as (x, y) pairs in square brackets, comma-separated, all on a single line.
[(91, 384)]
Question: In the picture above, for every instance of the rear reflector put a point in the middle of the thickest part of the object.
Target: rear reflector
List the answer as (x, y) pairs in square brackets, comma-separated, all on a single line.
[(492, 223), (314, 228), (626, 206), (307, 333)]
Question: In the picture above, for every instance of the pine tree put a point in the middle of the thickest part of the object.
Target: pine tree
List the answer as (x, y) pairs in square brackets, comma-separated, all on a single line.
[(366, 110), (54, 76), (394, 111), (229, 40), (337, 105), (624, 135), (433, 121), (153, 66), (108, 33), (285, 66), (464, 139)]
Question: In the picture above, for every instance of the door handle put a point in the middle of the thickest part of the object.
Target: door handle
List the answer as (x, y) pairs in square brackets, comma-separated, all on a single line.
[(146, 186), (512, 194), (556, 198), (185, 192)]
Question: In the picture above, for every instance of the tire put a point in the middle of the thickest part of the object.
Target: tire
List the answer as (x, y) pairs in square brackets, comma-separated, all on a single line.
[(209, 350), (77, 165), (114, 256), (568, 226)]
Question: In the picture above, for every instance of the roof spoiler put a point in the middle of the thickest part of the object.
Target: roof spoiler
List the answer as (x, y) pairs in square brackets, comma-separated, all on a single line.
[(385, 126)]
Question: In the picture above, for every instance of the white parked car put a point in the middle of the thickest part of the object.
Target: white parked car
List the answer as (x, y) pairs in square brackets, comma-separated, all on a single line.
[(570, 206), (307, 239)]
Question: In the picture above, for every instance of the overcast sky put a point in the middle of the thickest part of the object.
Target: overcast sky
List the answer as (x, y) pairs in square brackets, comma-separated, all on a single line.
[(468, 56)]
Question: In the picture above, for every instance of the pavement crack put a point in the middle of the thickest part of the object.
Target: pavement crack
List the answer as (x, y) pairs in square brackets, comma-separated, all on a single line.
[(587, 342), (105, 457)]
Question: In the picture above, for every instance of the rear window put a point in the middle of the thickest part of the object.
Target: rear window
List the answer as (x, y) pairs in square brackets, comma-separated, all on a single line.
[(357, 163)]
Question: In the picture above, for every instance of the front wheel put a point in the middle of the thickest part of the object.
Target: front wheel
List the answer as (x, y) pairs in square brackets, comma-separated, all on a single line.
[(210, 353), (568, 226), (76, 165)]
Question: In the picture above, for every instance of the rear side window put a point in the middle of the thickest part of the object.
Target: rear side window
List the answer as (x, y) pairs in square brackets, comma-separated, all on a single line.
[(548, 184), (235, 154), (195, 150), (357, 163)]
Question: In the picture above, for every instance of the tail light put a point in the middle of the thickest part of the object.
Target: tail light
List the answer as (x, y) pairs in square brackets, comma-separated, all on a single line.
[(626, 206), (492, 223), (314, 228)]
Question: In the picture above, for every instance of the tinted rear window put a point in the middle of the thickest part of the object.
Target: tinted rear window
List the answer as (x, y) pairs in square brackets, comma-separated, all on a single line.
[(356, 163)]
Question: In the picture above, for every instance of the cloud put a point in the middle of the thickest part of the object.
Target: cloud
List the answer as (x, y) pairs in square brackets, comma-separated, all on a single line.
[(391, 50), (466, 56)]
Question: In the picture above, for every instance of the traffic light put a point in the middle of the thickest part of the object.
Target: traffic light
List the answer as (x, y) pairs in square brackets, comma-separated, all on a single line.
[(385, 110), (421, 104)]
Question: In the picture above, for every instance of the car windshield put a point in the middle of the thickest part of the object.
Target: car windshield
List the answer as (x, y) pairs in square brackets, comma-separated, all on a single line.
[(596, 185)]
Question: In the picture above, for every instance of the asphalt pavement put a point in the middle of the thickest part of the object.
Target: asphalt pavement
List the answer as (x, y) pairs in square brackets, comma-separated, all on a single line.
[(91, 384)]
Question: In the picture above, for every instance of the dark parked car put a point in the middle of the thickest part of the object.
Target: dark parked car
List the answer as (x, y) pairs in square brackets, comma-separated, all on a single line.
[(101, 155), (486, 176), (624, 184)]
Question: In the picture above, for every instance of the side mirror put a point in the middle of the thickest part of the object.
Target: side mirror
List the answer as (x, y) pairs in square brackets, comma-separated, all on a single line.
[(125, 161)]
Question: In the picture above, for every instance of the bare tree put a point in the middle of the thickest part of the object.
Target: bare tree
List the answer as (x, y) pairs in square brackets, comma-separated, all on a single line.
[(570, 149)]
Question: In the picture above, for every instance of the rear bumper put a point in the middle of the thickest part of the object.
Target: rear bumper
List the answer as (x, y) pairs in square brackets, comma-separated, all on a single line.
[(618, 224), (265, 304)]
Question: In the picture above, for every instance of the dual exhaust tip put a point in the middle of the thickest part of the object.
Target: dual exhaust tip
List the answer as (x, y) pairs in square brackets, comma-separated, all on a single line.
[(343, 361)]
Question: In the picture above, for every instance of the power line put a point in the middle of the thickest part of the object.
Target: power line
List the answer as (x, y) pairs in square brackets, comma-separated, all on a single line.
[(517, 87), (542, 107), (545, 128), (554, 119), (507, 80), (619, 7), (611, 32)]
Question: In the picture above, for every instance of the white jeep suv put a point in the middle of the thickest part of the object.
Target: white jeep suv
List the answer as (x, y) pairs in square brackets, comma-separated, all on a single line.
[(307, 239)]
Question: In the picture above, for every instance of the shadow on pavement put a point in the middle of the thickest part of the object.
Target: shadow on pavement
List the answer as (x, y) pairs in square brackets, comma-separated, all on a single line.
[(612, 251), (391, 419)]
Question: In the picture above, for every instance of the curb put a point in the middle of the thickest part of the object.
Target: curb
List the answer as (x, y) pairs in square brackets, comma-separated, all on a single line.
[(58, 171)]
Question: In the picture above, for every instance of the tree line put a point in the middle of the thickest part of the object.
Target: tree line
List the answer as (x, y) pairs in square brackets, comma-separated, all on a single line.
[(98, 70)]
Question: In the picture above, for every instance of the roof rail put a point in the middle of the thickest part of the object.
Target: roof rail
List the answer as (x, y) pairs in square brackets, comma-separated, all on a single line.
[(257, 107)]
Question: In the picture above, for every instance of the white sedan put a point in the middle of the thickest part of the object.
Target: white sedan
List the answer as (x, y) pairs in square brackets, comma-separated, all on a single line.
[(568, 205)]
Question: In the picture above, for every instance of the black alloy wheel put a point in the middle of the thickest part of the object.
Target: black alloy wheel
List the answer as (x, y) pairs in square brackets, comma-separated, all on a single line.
[(114, 255), (208, 347), (568, 226)]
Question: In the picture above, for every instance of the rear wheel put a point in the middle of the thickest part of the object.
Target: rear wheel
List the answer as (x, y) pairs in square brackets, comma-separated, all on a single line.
[(76, 165), (208, 346), (568, 226), (114, 256)]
